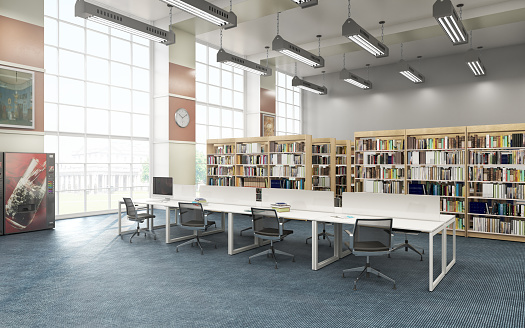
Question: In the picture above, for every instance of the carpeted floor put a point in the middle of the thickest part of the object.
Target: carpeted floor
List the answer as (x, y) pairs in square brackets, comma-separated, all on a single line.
[(82, 275)]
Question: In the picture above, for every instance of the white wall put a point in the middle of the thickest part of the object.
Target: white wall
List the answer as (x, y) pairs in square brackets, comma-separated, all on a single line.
[(451, 96)]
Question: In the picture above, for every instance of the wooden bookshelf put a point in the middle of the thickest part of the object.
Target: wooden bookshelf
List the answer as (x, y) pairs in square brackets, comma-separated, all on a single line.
[(252, 162), (380, 159), (290, 163), (436, 165), (343, 166), (323, 164), (220, 162), (496, 181)]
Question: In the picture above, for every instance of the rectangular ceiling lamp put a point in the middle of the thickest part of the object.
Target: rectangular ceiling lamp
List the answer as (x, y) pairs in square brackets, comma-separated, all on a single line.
[(207, 11), (410, 73), (305, 85), (355, 80), (365, 40), (241, 63), (110, 18), (474, 63), (306, 3), (447, 17), (293, 51)]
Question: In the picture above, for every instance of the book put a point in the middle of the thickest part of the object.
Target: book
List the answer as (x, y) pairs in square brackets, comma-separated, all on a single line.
[(203, 201), (281, 207)]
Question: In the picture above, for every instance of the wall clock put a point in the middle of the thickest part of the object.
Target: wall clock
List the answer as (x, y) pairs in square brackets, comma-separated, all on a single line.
[(182, 118)]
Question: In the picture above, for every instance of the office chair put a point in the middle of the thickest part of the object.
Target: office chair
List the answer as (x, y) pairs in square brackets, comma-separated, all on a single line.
[(406, 245), (266, 225), (192, 217), (132, 214), (324, 234), (371, 237)]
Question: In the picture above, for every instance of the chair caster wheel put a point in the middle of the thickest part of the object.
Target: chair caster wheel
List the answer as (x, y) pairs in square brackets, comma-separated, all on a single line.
[(344, 275), (249, 262), (202, 253), (177, 250), (155, 238), (276, 267), (215, 246), (293, 259), (394, 287), (423, 252)]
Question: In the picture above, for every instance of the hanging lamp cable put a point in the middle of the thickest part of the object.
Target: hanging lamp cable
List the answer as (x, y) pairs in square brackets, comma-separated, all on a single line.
[(278, 22)]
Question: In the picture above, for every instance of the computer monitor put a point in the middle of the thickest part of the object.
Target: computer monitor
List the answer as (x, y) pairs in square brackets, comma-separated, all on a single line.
[(163, 186)]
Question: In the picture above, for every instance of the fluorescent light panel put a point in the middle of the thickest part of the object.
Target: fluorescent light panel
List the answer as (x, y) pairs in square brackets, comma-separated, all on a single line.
[(286, 48), (244, 64), (355, 80), (206, 11), (474, 63), (410, 73), (448, 19), (305, 85), (110, 18), (306, 3), (365, 40)]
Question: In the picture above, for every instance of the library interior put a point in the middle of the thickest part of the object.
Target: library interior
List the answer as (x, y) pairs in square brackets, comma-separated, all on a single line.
[(243, 163)]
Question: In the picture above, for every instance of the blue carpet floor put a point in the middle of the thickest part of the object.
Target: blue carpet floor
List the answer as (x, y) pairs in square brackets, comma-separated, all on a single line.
[(82, 275)]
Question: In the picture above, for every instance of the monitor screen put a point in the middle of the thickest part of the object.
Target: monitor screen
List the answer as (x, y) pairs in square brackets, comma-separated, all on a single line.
[(163, 186)]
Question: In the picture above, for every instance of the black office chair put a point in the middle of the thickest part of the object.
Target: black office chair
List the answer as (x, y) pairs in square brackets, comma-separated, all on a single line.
[(132, 214), (406, 245), (371, 237), (323, 234), (266, 225), (192, 217)]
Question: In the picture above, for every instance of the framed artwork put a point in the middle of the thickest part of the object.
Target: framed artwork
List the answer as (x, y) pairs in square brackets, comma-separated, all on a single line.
[(16, 98), (268, 125)]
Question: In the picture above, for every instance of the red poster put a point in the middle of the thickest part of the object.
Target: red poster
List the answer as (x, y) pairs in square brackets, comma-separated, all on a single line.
[(25, 192)]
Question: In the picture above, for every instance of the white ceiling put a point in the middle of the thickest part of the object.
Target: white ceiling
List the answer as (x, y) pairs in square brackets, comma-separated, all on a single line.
[(495, 23)]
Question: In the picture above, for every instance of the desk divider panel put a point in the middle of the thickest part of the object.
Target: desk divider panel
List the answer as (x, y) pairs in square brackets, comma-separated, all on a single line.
[(415, 207), (307, 200), (228, 195), (184, 192)]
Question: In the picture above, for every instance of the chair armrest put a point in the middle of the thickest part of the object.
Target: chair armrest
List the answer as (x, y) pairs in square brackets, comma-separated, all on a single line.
[(351, 242)]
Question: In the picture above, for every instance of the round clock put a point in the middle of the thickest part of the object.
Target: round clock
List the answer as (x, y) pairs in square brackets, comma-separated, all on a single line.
[(182, 118)]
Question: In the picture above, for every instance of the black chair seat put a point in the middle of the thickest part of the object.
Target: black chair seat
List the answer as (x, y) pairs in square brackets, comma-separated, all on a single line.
[(370, 246), (197, 223), (144, 216), (272, 232)]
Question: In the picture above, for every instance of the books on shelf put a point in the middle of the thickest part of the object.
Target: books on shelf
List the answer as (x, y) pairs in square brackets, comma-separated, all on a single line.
[(446, 142), (501, 141), (497, 225), (281, 207), (436, 173), (485, 157), (435, 157)]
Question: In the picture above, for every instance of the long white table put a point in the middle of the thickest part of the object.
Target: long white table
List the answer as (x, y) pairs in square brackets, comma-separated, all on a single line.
[(326, 214)]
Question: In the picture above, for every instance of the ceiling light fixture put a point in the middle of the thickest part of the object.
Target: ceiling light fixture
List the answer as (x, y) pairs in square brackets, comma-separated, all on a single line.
[(408, 71), (447, 17), (306, 3), (289, 49), (241, 63), (474, 63), (305, 85), (110, 18), (354, 79), (207, 11), (365, 40)]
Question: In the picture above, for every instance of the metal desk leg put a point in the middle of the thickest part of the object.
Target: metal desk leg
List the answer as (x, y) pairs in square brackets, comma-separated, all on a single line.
[(231, 236), (444, 267), (315, 249), (230, 233), (120, 218), (168, 225), (316, 265)]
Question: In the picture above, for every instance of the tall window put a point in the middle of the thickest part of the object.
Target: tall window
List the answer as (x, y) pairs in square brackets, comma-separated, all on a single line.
[(288, 106), (219, 103), (97, 110)]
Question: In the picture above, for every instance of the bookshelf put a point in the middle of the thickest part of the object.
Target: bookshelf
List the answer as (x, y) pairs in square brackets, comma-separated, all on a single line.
[(220, 162), (290, 162), (436, 165), (323, 159), (496, 181), (343, 166), (380, 159), (351, 176), (251, 162)]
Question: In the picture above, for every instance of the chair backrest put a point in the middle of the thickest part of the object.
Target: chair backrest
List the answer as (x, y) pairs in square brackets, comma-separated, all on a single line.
[(191, 212), (372, 235), (263, 218), (130, 208)]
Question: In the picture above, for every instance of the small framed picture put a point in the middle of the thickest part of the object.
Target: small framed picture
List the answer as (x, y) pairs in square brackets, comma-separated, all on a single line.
[(16, 98), (268, 125)]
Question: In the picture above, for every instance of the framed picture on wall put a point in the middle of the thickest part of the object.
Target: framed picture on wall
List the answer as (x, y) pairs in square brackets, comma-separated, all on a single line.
[(268, 125), (16, 98)]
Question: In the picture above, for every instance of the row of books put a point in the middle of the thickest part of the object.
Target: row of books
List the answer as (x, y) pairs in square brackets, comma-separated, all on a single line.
[(223, 181), (384, 158), (341, 150), (494, 190), (437, 189), (252, 159), (436, 143), (340, 170), (460, 223), (288, 171), (387, 187), (252, 182), (502, 174), (493, 157), (292, 147), (253, 147), (221, 170), (341, 160), (436, 173), (287, 159), (317, 159), (436, 157), (501, 141), (340, 180), (321, 170), (452, 205), (226, 149), (339, 190), (321, 182), (380, 144), (220, 160), (321, 149), (496, 225), (380, 173), (254, 171), (287, 184), (504, 209)]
